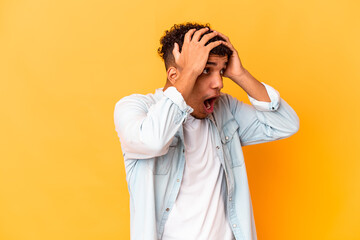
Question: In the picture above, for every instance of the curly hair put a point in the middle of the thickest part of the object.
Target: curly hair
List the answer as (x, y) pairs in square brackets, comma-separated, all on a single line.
[(177, 34)]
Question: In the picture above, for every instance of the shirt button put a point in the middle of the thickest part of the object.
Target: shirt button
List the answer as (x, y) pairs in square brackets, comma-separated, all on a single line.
[(217, 147), (230, 199), (178, 180), (227, 138), (168, 209), (234, 225)]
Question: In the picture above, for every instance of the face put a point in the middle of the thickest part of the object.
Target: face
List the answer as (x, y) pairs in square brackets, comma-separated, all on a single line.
[(207, 87)]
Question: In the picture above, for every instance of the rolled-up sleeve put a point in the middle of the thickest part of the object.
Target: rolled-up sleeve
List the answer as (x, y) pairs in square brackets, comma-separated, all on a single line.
[(146, 125), (264, 121), (267, 106)]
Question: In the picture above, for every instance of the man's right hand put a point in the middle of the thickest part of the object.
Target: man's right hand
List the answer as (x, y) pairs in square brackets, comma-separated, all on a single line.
[(192, 59), (194, 54)]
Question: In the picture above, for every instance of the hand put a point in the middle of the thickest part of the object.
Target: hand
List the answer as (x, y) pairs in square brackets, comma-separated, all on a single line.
[(234, 67), (194, 54)]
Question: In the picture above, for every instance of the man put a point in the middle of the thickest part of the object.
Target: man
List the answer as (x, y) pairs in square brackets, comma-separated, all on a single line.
[(182, 145)]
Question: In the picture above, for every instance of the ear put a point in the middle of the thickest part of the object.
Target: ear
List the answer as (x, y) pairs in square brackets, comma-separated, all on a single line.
[(172, 74)]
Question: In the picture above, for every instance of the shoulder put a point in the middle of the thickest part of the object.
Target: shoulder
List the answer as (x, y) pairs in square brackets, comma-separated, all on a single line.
[(222, 108), (227, 107), (228, 101), (138, 100)]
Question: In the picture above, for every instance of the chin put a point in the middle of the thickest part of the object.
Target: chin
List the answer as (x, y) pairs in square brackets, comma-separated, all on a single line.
[(199, 116)]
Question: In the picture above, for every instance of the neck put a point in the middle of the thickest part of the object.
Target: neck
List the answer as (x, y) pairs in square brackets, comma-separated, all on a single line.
[(167, 84)]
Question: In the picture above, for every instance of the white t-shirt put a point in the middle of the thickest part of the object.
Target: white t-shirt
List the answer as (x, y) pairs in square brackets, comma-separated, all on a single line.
[(199, 210)]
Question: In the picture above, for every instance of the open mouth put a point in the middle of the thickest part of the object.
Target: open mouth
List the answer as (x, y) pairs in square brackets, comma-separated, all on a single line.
[(209, 104)]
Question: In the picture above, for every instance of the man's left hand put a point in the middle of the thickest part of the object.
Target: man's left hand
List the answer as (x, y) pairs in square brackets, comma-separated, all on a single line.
[(234, 67)]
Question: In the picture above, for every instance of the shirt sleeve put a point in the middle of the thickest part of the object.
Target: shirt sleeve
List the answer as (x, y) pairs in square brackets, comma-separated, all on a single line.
[(146, 126), (267, 106), (174, 95), (264, 121)]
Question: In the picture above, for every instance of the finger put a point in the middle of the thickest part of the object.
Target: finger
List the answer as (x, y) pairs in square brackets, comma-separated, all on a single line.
[(222, 35), (213, 45), (207, 37), (198, 33), (229, 45), (176, 52), (188, 35)]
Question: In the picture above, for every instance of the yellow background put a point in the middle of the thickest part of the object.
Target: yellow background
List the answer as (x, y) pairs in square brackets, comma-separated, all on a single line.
[(64, 65)]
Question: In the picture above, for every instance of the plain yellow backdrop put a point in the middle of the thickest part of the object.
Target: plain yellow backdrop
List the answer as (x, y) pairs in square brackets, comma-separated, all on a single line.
[(64, 65)]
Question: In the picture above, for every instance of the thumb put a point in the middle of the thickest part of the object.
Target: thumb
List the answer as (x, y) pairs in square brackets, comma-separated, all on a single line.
[(176, 51)]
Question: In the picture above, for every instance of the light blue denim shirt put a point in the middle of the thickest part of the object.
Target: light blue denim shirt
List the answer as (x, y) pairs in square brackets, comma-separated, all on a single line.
[(151, 135)]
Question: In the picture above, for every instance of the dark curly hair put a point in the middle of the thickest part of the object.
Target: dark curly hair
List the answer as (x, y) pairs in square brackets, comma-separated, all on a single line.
[(177, 34)]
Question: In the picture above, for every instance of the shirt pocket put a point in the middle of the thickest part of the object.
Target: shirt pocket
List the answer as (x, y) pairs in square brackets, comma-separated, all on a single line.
[(162, 164), (231, 143)]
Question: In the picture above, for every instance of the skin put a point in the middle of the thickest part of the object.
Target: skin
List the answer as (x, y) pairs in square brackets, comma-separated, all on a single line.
[(208, 85), (198, 75)]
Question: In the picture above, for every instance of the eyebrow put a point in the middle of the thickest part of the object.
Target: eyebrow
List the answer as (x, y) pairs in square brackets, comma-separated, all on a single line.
[(215, 64)]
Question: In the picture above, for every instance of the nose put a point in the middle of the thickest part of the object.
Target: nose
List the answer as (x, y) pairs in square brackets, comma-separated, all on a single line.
[(217, 82)]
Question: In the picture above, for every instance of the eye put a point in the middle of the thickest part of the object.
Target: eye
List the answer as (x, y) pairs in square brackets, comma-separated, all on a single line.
[(206, 70)]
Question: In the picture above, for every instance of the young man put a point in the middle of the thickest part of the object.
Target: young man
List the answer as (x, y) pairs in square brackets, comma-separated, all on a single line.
[(182, 145)]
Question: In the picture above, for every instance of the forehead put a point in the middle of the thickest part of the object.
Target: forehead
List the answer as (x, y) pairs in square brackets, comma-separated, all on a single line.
[(219, 60)]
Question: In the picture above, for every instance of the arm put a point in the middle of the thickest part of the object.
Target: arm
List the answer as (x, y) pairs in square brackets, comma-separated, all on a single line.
[(146, 131), (191, 61), (237, 73), (264, 121), (270, 117)]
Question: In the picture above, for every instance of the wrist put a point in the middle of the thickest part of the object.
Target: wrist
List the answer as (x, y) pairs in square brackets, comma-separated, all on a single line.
[(241, 76), (188, 72), (185, 82)]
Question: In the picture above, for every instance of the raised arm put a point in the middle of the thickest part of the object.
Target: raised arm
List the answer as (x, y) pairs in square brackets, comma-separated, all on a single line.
[(264, 121), (146, 126), (269, 117)]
